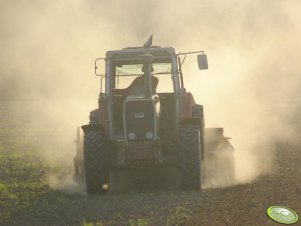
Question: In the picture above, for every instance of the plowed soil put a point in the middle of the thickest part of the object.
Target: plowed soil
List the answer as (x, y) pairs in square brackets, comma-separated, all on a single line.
[(26, 197)]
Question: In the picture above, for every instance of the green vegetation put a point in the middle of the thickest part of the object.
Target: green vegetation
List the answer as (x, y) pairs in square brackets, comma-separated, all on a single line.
[(177, 216), (131, 222), (22, 176)]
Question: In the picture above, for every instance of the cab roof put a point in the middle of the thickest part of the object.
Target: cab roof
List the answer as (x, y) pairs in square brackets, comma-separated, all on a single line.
[(136, 52)]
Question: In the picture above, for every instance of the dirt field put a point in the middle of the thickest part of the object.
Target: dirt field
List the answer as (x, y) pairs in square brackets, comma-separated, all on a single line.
[(26, 197)]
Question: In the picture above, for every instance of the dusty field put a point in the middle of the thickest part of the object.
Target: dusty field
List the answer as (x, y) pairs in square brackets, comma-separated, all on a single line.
[(26, 197)]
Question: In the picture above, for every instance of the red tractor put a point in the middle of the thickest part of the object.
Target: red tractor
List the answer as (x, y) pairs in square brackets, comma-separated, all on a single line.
[(138, 126)]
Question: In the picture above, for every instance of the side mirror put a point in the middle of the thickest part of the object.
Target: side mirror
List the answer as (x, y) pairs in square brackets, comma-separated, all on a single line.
[(202, 61)]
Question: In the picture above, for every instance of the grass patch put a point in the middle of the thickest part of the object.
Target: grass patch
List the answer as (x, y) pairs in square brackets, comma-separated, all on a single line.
[(22, 179), (22, 176), (177, 216)]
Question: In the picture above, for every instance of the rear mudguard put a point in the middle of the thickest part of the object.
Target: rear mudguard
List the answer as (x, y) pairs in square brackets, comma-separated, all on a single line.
[(91, 127)]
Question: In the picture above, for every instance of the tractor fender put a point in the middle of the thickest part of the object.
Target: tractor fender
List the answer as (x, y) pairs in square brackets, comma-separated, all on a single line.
[(187, 101), (190, 121), (94, 122), (91, 127)]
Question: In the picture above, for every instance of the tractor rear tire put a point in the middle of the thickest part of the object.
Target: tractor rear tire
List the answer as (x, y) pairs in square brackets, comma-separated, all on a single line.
[(95, 159), (198, 112), (189, 156)]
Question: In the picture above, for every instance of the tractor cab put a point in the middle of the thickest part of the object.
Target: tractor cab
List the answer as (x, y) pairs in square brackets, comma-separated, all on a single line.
[(131, 85), (143, 84)]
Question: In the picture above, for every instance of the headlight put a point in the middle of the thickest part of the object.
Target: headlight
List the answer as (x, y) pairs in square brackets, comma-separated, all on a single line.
[(149, 135), (132, 136)]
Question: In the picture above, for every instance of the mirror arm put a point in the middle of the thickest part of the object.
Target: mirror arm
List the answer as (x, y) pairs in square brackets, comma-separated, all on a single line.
[(97, 59), (185, 54), (181, 63), (180, 69), (201, 51)]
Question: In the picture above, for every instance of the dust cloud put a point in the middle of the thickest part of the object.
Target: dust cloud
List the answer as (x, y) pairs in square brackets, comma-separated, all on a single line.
[(251, 88)]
